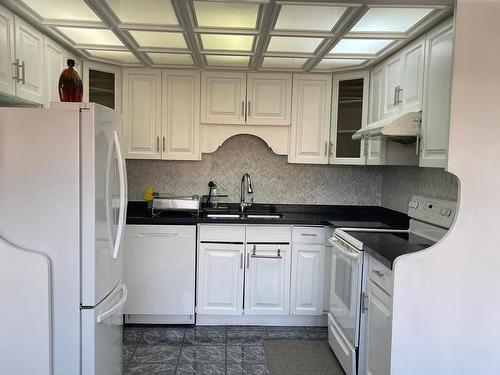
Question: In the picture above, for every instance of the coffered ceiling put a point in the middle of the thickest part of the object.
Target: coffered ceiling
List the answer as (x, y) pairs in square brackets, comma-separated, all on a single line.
[(235, 34)]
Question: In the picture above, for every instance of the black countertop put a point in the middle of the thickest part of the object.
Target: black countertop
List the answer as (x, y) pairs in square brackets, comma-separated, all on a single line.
[(327, 215), (386, 247)]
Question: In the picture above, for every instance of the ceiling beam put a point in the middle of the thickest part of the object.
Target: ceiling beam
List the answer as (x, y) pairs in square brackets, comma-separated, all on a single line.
[(270, 13), (104, 12), (184, 11), (349, 19)]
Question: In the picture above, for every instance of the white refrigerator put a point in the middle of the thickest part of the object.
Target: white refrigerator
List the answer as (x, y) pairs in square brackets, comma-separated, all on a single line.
[(63, 201)]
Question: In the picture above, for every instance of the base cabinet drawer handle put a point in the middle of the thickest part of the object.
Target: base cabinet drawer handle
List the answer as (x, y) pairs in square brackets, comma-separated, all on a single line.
[(309, 234), (378, 273)]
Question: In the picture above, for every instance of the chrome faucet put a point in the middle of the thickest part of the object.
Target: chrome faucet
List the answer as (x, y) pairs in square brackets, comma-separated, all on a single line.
[(246, 188)]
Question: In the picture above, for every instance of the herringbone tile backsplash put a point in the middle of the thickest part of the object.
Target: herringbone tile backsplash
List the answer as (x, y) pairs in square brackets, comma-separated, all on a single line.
[(273, 179), (276, 181)]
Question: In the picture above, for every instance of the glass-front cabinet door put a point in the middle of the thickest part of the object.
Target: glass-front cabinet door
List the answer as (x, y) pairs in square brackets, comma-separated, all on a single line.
[(349, 114)]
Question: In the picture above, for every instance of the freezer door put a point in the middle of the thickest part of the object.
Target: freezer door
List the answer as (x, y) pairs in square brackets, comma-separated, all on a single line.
[(102, 335), (104, 203)]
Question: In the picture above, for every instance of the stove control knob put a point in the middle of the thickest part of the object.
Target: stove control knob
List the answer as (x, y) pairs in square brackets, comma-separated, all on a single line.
[(413, 204), (445, 211)]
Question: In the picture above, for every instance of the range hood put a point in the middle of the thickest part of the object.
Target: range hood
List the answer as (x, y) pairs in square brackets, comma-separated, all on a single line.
[(404, 127)]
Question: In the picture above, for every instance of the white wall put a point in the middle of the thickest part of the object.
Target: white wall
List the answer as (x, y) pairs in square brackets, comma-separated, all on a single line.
[(446, 299)]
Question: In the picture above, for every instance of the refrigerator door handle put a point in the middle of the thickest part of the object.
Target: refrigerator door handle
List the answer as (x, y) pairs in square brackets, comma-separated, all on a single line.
[(123, 193), (106, 314)]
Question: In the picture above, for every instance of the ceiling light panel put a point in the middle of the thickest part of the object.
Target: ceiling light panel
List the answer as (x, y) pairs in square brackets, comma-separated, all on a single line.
[(308, 17), (390, 19), (360, 46), (148, 12), (293, 44), (283, 62), (226, 15), (123, 57), (67, 10), (91, 36), (328, 64), (227, 42), (236, 61), (159, 39), (171, 58)]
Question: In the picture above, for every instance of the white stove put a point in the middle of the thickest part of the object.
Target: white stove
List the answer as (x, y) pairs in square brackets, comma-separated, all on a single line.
[(430, 220)]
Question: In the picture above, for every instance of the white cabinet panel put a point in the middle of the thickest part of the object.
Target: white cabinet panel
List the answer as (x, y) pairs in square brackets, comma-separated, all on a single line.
[(142, 113), (437, 97), (54, 65), (220, 279), (349, 114), (7, 83), (310, 126), (159, 269), (269, 98), (223, 98), (412, 77), (392, 84), (267, 280), (180, 115), (373, 149), (29, 51), (378, 331), (306, 297)]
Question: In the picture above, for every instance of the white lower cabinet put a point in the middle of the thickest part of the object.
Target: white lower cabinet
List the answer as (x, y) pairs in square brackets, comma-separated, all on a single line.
[(159, 271), (306, 296), (267, 279), (220, 278)]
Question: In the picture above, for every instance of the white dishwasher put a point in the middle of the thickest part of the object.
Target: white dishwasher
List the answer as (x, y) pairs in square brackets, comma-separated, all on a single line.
[(159, 271)]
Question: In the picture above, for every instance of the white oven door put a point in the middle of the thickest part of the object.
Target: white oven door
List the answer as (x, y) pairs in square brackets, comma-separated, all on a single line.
[(345, 288)]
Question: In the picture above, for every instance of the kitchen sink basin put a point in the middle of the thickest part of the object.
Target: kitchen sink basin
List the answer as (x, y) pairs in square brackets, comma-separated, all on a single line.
[(264, 216), (245, 216)]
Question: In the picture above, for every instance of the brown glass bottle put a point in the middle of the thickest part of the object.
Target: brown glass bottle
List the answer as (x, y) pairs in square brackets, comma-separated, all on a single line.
[(70, 84)]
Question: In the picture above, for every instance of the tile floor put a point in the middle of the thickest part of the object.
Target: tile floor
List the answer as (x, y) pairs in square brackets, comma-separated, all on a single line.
[(200, 350)]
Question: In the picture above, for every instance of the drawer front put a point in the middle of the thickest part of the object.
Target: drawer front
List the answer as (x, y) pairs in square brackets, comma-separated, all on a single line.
[(222, 233), (380, 275), (269, 234), (167, 231), (308, 235), (343, 349)]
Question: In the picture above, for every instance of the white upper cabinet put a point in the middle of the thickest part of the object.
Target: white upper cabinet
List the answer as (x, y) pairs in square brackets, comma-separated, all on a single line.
[(180, 115), (349, 114), (373, 146), (437, 97), (410, 95), (220, 279), (29, 54), (223, 98), (310, 125), (7, 71), (241, 98), (54, 65), (269, 99), (267, 280), (403, 80), (392, 83), (142, 113)]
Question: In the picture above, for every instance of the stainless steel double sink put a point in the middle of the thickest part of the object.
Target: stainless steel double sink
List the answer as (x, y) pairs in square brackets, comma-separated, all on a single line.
[(227, 215)]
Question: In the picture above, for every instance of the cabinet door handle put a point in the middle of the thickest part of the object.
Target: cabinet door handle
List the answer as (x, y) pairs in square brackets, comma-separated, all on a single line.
[(249, 110), (23, 73), (16, 71), (417, 146), (378, 273), (396, 90), (309, 234), (163, 144), (248, 260), (400, 90), (157, 144), (243, 108), (241, 260)]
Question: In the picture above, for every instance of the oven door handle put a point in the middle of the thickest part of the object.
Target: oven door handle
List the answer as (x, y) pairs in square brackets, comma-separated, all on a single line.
[(352, 255)]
